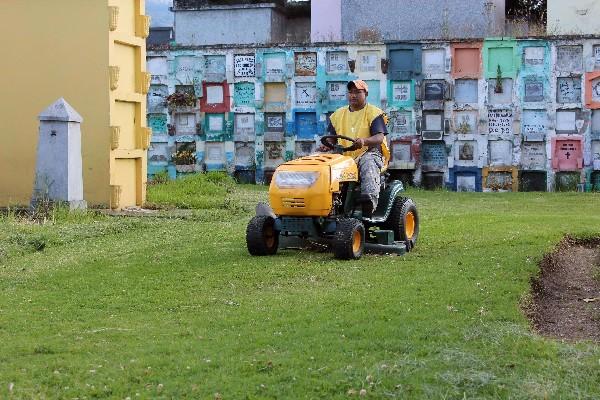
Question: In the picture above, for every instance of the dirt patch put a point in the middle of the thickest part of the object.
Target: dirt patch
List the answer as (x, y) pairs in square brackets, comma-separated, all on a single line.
[(565, 300)]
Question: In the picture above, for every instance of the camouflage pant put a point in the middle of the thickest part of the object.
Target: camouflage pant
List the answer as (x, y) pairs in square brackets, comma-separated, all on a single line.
[(369, 170)]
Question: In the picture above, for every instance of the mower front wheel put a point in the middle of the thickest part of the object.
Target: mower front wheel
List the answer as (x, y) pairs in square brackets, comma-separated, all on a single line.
[(349, 241), (261, 237)]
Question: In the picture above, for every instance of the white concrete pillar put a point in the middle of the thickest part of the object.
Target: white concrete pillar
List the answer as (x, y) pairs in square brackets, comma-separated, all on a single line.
[(58, 170)]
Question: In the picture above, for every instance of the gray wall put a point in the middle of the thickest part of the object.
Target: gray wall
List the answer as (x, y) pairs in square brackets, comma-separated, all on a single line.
[(223, 26), (427, 19), (297, 30)]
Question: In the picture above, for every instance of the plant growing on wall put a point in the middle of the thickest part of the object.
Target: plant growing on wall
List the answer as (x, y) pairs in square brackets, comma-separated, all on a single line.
[(463, 127), (499, 183), (184, 157), (498, 88), (181, 99)]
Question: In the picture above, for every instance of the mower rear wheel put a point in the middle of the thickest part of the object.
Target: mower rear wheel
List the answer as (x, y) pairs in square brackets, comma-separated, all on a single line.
[(349, 240), (261, 237), (404, 221)]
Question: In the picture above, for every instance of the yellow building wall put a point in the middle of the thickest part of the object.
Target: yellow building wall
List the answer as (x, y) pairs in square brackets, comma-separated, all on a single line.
[(65, 48), (127, 55), (573, 17)]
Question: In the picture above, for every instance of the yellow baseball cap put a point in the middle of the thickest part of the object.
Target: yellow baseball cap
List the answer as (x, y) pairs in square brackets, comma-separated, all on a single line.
[(359, 84)]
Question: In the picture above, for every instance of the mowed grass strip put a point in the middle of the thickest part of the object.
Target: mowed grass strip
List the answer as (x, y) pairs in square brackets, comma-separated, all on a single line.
[(176, 308)]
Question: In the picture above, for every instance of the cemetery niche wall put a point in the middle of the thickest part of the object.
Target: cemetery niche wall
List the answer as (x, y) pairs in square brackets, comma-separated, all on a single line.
[(493, 114)]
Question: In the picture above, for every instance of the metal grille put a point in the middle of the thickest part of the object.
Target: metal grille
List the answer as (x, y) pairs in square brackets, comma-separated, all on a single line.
[(293, 202)]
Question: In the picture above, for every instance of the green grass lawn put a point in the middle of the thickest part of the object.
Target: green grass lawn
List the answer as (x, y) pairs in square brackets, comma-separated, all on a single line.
[(172, 305)]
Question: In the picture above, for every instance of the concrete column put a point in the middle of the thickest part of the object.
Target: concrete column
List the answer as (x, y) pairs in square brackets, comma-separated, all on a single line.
[(58, 170)]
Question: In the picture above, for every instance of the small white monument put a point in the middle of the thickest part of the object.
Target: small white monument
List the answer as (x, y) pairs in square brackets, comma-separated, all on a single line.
[(58, 170)]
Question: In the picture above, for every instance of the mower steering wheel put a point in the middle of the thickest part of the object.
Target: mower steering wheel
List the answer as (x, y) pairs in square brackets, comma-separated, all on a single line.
[(331, 146)]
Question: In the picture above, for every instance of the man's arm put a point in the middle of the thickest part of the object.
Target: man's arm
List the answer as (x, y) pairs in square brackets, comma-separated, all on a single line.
[(371, 141), (378, 132)]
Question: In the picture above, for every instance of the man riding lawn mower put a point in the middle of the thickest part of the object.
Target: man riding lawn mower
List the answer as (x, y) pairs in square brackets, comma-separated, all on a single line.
[(322, 197)]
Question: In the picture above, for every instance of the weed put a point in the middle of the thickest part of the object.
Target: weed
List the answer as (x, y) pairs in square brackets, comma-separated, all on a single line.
[(160, 177)]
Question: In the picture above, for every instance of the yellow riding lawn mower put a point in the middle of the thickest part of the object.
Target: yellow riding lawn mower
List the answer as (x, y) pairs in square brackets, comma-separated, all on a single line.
[(317, 199)]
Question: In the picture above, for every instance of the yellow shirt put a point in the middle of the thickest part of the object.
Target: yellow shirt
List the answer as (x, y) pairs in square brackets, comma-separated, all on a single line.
[(357, 124)]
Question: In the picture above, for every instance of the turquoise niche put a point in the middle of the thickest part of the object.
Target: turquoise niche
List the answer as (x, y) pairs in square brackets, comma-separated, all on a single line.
[(243, 94), (158, 123), (214, 126), (534, 73), (374, 96), (400, 93)]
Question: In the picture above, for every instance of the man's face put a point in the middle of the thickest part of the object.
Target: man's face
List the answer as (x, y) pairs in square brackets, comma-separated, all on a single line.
[(357, 98)]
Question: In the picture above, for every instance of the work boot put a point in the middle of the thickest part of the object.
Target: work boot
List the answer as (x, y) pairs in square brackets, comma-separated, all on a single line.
[(367, 205)]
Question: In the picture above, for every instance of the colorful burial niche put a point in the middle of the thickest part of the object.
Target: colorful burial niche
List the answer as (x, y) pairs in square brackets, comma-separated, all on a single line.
[(337, 62), (158, 68), (159, 152), (532, 181), (401, 92), (157, 98), (404, 62), (533, 89), (569, 58), (465, 153), (274, 126), (243, 94), (500, 123), (275, 96), (568, 90), (243, 127), (533, 56), (214, 156), (214, 68), (158, 123), (434, 156), (216, 97), (465, 122), (185, 69), (466, 60), (304, 148), (466, 91), (244, 155), (500, 91), (567, 152), (500, 153), (274, 66), (185, 124), (400, 123), (500, 179), (533, 155), (433, 61), (274, 154), (336, 91), (306, 94), (534, 124), (305, 63), (244, 65), (432, 180), (368, 61), (306, 125), (566, 181), (402, 154)]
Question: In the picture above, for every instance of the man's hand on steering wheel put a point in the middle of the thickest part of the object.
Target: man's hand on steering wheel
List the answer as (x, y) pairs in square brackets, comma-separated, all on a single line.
[(359, 143), (331, 146)]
